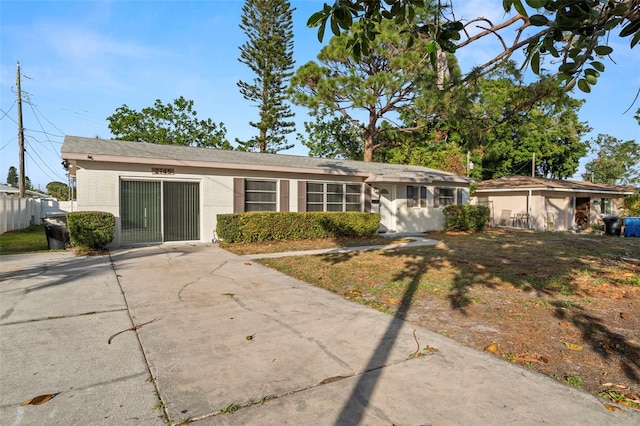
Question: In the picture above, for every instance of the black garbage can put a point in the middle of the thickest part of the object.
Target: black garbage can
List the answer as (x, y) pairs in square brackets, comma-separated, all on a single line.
[(55, 226), (612, 225)]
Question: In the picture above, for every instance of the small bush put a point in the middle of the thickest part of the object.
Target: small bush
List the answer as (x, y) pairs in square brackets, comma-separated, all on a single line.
[(266, 226), (91, 230), (466, 218)]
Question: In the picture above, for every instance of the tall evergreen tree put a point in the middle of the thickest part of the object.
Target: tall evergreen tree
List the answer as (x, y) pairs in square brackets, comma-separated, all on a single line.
[(12, 177), (268, 52)]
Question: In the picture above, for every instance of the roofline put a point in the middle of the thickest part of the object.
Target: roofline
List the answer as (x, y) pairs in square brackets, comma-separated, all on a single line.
[(373, 178), (207, 164), (556, 190), (368, 177)]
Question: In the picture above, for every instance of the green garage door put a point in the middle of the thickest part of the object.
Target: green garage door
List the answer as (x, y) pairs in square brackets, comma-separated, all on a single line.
[(181, 209), (157, 211)]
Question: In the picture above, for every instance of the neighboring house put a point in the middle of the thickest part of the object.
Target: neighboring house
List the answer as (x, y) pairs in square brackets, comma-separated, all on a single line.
[(19, 212), (545, 204), (171, 193), (12, 190)]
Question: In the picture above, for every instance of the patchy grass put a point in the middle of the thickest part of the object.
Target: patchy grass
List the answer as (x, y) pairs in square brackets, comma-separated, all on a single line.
[(29, 240), (279, 246), (530, 292)]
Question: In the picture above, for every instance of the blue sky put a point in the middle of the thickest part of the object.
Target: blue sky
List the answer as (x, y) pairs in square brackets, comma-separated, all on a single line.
[(81, 60)]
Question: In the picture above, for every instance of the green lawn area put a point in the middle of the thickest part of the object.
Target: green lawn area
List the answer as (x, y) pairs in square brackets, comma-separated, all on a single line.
[(32, 239)]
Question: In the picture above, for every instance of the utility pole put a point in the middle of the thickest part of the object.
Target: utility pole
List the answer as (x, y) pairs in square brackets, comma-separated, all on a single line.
[(21, 180), (533, 165), (468, 162)]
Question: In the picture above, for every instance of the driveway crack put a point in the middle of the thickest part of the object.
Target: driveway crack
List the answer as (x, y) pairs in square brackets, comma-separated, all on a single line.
[(199, 279)]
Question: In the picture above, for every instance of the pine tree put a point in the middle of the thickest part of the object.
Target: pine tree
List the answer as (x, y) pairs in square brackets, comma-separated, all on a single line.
[(268, 52), (12, 177)]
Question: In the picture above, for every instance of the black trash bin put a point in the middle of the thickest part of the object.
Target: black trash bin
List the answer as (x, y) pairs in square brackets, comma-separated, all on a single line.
[(55, 226), (612, 225)]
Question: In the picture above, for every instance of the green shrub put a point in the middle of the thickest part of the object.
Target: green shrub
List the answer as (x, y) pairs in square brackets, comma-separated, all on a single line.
[(228, 227), (465, 217), (266, 226), (91, 230), (632, 205)]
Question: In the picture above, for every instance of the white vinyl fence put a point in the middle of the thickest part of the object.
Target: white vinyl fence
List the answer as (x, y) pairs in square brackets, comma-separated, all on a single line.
[(18, 213)]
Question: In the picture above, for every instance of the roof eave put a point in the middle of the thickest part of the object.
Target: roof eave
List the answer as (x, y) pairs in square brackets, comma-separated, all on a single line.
[(209, 164), (590, 191)]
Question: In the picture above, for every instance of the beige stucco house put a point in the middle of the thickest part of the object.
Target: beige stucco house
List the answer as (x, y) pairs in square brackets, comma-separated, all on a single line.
[(162, 193), (545, 204)]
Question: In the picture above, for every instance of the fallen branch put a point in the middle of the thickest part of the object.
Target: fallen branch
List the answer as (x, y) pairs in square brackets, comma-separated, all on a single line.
[(134, 328)]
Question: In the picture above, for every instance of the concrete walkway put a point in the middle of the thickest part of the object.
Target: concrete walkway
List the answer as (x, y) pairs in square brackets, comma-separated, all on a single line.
[(235, 343)]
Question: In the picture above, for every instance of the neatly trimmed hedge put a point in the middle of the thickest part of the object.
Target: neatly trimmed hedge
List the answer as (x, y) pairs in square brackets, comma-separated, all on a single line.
[(466, 217), (266, 226), (91, 230)]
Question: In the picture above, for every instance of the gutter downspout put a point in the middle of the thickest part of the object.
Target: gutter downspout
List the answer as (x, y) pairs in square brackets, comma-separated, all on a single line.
[(529, 208)]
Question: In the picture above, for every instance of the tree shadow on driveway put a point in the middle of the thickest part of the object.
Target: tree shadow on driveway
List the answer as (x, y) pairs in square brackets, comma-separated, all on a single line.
[(549, 268), (354, 409)]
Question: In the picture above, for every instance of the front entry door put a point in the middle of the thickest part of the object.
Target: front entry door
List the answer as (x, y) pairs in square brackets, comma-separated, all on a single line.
[(386, 208), (582, 211)]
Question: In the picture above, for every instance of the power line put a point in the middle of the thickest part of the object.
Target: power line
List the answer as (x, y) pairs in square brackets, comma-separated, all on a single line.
[(41, 126), (8, 116), (48, 121), (5, 113), (7, 144), (44, 141), (42, 162), (40, 168), (45, 132)]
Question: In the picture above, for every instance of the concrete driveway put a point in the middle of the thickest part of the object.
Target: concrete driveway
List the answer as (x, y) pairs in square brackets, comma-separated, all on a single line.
[(56, 313), (233, 342)]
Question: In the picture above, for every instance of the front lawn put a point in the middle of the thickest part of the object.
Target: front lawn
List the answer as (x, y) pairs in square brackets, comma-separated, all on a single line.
[(31, 239), (567, 305)]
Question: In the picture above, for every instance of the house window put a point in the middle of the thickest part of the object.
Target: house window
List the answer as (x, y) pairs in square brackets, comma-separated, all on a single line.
[(334, 197), (260, 196), (605, 206), (445, 197), (416, 196)]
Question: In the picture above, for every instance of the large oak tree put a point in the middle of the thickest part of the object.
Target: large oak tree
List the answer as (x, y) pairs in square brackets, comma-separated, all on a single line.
[(615, 162), (572, 34), (171, 124)]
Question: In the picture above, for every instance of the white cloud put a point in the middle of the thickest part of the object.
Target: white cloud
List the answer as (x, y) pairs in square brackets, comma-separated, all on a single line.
[(83, 44)]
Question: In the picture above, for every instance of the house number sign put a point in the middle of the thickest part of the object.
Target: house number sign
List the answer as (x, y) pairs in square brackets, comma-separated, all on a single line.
[(161, 171)]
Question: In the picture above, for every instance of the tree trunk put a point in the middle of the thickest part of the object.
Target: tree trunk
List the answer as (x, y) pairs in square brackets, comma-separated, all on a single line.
[(368, 148)]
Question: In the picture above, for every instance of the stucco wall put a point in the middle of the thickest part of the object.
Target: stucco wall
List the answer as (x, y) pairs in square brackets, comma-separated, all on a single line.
[(99, 188), (548, 210), (421, 219), (99, 192), (556, 213), (503, 205)]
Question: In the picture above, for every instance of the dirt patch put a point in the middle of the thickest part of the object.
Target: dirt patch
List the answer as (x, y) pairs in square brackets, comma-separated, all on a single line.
[(563, 304), (302, 245)]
